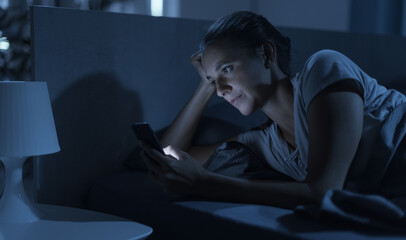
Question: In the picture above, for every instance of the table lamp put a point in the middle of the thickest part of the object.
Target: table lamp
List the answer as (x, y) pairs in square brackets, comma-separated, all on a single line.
[(27, 129)]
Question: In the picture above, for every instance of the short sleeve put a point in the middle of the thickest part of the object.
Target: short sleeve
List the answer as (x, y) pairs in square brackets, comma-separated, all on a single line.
[(325, 68), (270, 146)]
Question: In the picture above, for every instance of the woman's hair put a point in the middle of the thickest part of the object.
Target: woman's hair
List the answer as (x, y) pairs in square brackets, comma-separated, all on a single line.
[(250, 30)]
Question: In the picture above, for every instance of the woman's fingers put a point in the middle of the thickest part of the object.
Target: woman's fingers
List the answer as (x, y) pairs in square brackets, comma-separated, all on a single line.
[(196, 55), (152, 165), (178, 174), (196, 61), (156, 155), (157, 178)]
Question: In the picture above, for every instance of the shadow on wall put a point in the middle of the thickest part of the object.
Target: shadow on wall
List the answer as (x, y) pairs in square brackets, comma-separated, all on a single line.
[(93, 119)]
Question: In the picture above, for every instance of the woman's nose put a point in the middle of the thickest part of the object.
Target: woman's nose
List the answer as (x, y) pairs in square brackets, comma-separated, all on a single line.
[(222, 87)]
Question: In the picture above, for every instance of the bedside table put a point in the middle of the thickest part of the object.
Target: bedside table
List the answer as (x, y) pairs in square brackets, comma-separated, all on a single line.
[(59, 222)]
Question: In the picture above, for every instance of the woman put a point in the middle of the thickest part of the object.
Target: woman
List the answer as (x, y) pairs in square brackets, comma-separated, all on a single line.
[(323, 119)]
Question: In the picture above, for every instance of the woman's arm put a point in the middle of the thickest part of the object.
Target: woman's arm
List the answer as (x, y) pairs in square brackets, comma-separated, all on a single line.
[(335, 120), (182, 129), (181, 174)]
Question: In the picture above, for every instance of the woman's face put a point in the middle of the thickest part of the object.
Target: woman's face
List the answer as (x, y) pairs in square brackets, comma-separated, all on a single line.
[(241, 78)]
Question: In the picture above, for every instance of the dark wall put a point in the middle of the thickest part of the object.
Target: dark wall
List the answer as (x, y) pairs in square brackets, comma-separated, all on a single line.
[(105, 71), (378, 16)]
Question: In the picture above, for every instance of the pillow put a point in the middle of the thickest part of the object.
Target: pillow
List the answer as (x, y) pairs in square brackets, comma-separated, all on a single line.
[(209, 131)]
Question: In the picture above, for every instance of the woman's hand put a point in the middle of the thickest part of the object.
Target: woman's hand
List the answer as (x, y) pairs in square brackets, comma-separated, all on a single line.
[(196, 60), (178, 172), (207, 86)]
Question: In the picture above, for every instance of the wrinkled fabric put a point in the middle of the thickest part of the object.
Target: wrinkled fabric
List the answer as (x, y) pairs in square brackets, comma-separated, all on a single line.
[(382, 170), (362, 210), (269, 145), (234, 159)]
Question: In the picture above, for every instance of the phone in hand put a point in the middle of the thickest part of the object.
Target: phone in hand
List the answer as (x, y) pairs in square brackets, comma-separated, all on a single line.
[(144, 132)]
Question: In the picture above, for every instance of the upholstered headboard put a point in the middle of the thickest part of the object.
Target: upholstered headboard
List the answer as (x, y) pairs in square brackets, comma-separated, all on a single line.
[(106, 70)]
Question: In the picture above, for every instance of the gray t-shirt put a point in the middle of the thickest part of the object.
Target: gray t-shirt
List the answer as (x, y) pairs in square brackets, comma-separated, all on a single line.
[(321, 70)]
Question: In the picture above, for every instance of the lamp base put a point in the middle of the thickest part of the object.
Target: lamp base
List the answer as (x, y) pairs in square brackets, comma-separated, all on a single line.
[(15, 207)]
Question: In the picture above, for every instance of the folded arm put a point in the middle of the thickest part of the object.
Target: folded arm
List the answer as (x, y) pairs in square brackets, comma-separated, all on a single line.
[(180, 133), (335, 120)]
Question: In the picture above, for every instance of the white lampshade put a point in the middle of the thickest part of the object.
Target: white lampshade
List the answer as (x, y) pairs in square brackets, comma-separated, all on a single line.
[(27, 125), (27, 128)]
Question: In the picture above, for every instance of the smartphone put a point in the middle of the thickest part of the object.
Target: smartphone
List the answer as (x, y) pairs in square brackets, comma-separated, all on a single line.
[(144, 132)]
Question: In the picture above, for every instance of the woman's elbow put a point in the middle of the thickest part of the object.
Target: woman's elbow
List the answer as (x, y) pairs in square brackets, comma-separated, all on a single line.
[(317, 189)]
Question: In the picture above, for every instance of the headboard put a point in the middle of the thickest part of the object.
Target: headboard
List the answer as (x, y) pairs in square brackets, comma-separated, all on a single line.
[(107, 70)]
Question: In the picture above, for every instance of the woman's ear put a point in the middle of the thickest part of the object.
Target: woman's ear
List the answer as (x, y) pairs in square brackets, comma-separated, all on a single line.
[(269, 53)]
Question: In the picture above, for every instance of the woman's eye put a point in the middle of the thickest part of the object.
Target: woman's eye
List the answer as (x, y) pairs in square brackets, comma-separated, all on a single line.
[(213, 82), (227, 69)]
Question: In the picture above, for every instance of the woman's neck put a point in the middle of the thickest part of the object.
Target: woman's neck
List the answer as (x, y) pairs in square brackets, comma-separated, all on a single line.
[(280, 101), (279, 108)]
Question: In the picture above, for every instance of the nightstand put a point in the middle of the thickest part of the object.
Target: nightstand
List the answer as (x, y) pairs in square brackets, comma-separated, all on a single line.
[(59, 222)]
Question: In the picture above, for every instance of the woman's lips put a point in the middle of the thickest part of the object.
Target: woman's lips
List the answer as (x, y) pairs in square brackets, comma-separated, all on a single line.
[(233, 101)]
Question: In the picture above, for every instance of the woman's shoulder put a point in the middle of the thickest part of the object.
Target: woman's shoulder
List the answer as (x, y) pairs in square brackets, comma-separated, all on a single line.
[(326, 53), (326, 57), (328, 63), (324, 68)]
